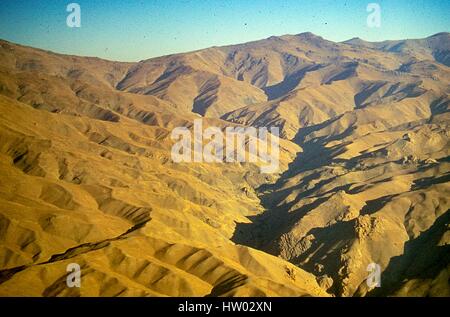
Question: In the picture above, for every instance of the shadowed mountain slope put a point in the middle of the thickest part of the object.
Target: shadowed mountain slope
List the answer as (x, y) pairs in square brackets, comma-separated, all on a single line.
[(87, 177)]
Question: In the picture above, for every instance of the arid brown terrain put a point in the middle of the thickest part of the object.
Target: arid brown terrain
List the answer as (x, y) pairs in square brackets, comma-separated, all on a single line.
[(86, 174)]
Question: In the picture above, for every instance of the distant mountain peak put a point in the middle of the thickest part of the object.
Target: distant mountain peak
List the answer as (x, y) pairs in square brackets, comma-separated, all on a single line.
[(306, 34), (355, 41), (439, 34), (309, 35)]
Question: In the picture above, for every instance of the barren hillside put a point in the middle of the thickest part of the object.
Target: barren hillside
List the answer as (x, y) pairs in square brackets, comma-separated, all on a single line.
[(87, 176)]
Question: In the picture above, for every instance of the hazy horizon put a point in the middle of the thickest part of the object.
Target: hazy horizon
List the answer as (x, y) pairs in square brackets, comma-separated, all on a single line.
[(141, 30), (202, 48)]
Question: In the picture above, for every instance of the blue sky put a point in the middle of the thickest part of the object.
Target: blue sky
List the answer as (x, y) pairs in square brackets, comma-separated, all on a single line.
[(135, 30)]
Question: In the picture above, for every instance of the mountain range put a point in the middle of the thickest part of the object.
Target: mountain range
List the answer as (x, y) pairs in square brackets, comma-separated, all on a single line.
[(87, 176)]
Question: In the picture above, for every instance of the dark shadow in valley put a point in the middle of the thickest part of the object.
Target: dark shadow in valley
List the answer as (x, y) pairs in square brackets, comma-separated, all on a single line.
[(374, 205), (264, 229), (289, 83), (429, 181), (328, 243), (440, 106), (422, 259)]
